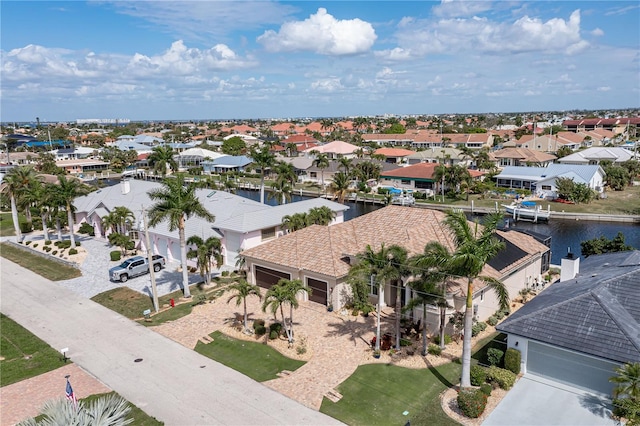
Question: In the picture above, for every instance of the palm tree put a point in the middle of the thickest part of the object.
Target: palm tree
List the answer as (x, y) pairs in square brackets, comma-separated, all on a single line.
[(340, 186), (15, 182), (67, 191), (432, 266), (321, 162), (320, 216), (243, 290), (426, 292), (263, 159), (294, 222), (205, 252), (161, 156), (475, 246), (378, 267), (284, 291), (627, 381), (125, 218), (281, 191), (294, 287), (110, 410), (177, 202), (346, 164)]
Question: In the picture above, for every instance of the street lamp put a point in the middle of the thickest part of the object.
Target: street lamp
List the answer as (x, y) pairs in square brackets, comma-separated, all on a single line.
[(152, 273)]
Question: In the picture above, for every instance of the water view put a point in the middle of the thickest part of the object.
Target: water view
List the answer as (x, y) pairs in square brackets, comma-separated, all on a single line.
[(566, 234)]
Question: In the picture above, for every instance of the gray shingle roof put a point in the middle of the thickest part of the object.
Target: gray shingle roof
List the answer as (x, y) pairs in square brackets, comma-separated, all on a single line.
[(585, 172), (596, 313)]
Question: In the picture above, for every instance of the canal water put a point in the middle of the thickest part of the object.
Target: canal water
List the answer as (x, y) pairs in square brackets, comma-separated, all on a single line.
[(565, 234)]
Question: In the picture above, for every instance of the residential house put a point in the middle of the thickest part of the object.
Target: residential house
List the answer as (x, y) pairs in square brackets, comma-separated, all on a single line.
[(579, 330), (448, 156), (194, 157), (226, 163), (542, 180), (521, 157), (334, 150), (321, 258), (314, 174), (394, 155), (624, 125), (240, 223), (73, 153), (84, 165), (596, 155)]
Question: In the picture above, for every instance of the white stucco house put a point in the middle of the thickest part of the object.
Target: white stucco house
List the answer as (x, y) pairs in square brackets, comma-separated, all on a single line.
[(240, 223)]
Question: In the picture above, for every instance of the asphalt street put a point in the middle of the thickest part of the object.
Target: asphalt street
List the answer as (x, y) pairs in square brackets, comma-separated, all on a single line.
[(166, 380)]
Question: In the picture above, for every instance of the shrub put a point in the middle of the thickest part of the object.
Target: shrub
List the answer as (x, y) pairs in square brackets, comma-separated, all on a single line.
[(492, 320), (115, 255), (478, 375), (503, 378), (512, 360), (276, 328), (258, 323), (486, 388), (35, 245), (55, 252), (447, 339), (273, 335), (25, 227), (405, 342), (434, 350), (472, 402), (260, 330), (494, 356), (85, 228), (225, 273), (499, 315), (28, 242), (72, 252), (47, 242), (478, 328)]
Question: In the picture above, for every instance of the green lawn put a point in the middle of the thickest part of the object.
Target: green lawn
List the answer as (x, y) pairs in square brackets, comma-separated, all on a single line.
[(379, 394), (50, 269), (140, 418), (24, 355), (6, 225), (253, 359)]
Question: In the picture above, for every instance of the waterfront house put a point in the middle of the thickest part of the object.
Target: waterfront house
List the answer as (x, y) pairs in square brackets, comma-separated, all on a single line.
[(334, 150), (448, 156), (394, 155), (522, 157), (83, 165), (579, 330), (541, 181), (322, 256), (596, 155)]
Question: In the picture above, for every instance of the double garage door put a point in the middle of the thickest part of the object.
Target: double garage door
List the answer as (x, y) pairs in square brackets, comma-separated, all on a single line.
[(266, 277), (571, 368)]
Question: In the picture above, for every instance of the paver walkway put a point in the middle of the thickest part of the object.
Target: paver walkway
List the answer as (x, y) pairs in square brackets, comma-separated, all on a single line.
[(22, 400)]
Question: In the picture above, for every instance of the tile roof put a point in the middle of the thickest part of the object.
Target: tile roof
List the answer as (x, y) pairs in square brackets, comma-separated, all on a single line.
[(336, 147), (596, 313), (416, 171), (524, 155), (393, 152)]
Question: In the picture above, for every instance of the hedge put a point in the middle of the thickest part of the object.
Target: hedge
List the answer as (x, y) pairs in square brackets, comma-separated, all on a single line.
[(512, 360), (494, 355), (478, 375), (115, 255), (472, 402), (434, 350), (447, 339), (503, 378)]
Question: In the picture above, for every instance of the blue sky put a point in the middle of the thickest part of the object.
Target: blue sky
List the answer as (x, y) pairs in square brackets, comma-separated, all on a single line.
[(166, 60)]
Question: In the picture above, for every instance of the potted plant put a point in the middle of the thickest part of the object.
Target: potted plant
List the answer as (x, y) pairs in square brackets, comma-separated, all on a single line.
[(376, 353), (330, 307)]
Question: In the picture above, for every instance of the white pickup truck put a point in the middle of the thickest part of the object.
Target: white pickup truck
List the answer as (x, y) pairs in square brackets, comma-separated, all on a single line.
[(135, 266)]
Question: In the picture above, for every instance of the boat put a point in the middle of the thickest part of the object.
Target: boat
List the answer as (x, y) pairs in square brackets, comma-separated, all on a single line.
[(527, 210), (403, 200)]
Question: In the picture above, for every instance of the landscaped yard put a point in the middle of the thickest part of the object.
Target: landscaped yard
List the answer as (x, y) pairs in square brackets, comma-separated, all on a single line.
[(253, 359), (6, 225), (50, 269), (140, 418), (379, 394), (23, 354)]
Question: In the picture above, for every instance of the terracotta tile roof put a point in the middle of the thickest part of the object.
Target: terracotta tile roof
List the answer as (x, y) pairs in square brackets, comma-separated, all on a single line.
[(416, 171), (299, 139), (393, 152), (524, 155)]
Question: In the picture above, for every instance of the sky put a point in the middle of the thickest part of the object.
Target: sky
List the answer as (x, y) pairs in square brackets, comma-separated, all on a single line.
[(199, 60)]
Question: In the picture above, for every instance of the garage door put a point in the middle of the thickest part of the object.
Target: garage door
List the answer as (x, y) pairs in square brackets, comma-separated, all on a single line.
[(570, 367), (318, 291), (161, 248), (266, 277)]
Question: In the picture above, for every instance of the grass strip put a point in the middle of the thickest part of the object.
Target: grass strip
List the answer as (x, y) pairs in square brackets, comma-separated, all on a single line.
[(255, 360), (49, 269)]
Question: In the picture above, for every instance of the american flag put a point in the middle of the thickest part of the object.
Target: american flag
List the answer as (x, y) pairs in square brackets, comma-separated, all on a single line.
[(70, 395)]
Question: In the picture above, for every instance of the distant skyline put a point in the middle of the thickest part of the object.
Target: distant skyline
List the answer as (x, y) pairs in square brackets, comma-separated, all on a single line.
[(144, 60)]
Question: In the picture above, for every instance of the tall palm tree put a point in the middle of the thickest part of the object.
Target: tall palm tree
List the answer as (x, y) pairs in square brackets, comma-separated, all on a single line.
[(160, 156), (379, 267), (15, 182), (425, 292), (294, 287), (475, 246), (67, 191), (125, 218), (42, 196), (401, 270), (346, 164), (263, 160), (432, 265), (281, 191), (177, 202), (321, 162), (284, 292), (340, 186), (205, 253), (243, 290)]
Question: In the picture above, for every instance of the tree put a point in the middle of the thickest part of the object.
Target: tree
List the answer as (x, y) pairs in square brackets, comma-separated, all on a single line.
[(120, 240), (205, 253), (475, 246), (177, 202), (322, 162), (320, 216), (346, 164), (243, 290), (426, 291), (161, 156), (604, 245), (263, 160), (110, 410), (292, 289), (378, 268), (67, 191), (626, 394), (15, 182), (368, 170), (339, 187), (234, 146), (563, 151), (284, 184)]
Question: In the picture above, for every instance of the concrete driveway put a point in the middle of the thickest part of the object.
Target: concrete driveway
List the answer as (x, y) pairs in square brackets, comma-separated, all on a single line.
[(537, 401)]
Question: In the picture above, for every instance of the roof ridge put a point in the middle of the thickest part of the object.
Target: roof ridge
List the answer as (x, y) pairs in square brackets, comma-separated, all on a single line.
[(622, 318)]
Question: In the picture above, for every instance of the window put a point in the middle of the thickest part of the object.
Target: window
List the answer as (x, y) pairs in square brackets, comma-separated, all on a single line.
[(373, 289), (405, 182), (546, 187), (268, 233), (134, 235), (481, 295)]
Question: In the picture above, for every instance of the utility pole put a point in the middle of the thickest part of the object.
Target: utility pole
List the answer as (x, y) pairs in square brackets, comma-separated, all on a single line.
[(378, 322), (152, 273)]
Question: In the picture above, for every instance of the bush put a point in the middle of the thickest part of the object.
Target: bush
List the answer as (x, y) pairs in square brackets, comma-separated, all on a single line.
[(472, 402), (499, 315), (503, 378), (47, 242), (494, 356), (486, 388), (115, 255), (273, 335), (260, 330), (478, 328), (25, 227), (492, 320), (478, 375), (447, 339), (28, 242), (55, 252), (85, 228), (72, 252), (35, 245), (512, 360), (434, 350), (276, 327), (258, 323)]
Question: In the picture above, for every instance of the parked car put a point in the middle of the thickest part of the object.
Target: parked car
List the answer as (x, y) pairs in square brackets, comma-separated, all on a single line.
[(135, 266)]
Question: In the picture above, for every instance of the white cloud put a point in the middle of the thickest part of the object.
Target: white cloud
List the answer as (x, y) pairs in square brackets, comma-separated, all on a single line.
[(327, 85), (455, 8), (603, 89), (323, 34), (597, 32)]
